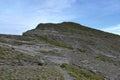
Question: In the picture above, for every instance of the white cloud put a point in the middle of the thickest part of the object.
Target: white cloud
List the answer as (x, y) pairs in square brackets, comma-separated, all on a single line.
[(53, 11), (113, 29), (26, 14), (56, 9), (58, 5), (18, 19)]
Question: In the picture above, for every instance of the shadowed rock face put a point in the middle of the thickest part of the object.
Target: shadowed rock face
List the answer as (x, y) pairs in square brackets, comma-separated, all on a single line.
[(76, 45)]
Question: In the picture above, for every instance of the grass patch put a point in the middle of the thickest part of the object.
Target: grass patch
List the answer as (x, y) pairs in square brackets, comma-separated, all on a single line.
[(108, 59), (14, 42), (56, 43), (17, 41), (12, 57), (104, 58), (80, 74), (30, 73)]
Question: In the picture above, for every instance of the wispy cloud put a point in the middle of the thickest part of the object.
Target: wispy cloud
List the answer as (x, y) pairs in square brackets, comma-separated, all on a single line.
[(58, 5), (56, 10), (114, 29), (28, 13)]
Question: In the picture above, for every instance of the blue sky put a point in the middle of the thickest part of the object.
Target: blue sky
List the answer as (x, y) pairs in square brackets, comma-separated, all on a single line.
[(17, 16)]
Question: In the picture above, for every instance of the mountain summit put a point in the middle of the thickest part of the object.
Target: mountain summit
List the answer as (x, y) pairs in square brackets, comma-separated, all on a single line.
[(61, 51)]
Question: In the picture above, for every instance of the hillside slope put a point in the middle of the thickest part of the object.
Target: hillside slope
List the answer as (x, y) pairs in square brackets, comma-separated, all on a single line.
[(73, 50)]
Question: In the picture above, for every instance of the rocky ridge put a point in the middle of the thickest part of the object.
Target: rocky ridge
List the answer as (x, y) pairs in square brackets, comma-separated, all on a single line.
[(71, 50)]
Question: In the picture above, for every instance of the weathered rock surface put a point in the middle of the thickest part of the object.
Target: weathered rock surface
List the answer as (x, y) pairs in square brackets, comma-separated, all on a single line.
[(55, 44)]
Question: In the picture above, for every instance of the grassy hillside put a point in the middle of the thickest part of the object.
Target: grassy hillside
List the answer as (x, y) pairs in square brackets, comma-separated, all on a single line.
[(61, 51), (30, 73)]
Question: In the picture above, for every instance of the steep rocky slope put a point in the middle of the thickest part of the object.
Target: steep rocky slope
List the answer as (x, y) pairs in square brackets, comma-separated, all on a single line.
[(71, 50)]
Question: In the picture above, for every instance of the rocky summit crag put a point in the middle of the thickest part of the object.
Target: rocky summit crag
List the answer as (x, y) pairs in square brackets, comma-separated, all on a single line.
[(62, 51)]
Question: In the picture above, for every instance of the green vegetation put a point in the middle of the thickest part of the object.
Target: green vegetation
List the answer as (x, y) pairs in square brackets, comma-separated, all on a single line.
[(11, 57), (30, 73), (3, 41), (108, 59), (74, 27), (80, 74), (14, 42), (104, 58), (17, 42), (56, 43)]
